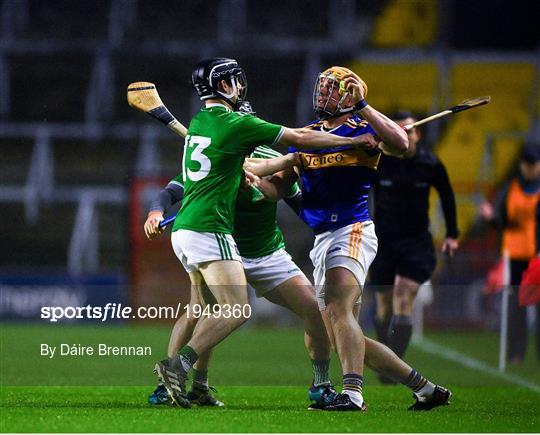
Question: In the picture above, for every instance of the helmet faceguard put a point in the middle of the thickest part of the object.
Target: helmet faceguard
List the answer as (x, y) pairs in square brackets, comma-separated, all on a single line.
[(246, 107), (329, 95), (208, 74)]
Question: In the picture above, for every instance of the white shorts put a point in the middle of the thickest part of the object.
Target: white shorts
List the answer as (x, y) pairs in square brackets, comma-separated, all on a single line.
[(266, 273), (193, 248), (353, 247)]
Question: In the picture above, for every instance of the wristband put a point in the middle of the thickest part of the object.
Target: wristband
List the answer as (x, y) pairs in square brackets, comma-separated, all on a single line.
[(360, 105)]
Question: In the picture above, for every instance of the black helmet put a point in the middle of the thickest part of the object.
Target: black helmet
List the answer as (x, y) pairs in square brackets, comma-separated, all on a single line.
[(208, 73)]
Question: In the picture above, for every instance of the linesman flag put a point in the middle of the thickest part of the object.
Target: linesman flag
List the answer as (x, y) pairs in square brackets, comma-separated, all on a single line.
[(495, 279), (529, 289)]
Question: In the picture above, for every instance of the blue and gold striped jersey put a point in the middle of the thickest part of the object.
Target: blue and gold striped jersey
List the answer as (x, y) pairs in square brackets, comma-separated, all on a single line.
[(336, 181)]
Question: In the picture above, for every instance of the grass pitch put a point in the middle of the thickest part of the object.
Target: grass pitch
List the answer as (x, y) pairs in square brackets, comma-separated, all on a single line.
[(261, 375), (261, 409)]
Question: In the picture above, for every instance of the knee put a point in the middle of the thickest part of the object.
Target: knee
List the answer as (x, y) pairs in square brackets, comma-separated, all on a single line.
[(191, 321), (403, 300), (384, 308), (311, 313), (336, 311)]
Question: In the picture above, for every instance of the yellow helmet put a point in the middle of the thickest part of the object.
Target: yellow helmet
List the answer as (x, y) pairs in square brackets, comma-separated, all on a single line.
[(335, 75)]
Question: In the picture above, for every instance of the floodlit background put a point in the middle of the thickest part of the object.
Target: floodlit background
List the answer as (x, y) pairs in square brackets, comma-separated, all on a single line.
[(78, 166)]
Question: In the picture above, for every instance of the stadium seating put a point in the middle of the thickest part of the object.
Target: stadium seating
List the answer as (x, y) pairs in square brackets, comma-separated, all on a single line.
[(277, 18), (65, 20), (82, 163), (394, 86), (15, 162), (463, 146), (162, 17), (43, 244), (56, 86), (406, 23), (64, 57)]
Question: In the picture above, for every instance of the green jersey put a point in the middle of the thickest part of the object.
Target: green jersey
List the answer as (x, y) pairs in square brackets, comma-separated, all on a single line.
[(256, 232), (217, 142), (255, 228)]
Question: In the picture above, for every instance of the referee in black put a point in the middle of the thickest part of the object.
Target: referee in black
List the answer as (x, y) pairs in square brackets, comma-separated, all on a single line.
[(406, 256)]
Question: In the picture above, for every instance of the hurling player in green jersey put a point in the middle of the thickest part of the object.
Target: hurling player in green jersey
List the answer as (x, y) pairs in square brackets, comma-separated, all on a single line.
[(217, 141), (270, 271)]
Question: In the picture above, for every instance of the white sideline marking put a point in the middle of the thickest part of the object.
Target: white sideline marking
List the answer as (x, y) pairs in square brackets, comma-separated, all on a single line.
[(453, 355)]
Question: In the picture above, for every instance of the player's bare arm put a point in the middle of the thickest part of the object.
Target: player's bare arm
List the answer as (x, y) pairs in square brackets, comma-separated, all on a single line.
[(394, 138), (305, 138), (264, 167), (275, 187)]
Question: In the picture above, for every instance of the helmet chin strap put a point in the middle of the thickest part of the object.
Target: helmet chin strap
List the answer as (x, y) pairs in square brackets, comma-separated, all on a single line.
[(323, 114), (229, 97), (341, 101)]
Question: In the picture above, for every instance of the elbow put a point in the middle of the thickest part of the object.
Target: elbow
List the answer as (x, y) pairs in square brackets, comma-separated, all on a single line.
[(400, 146), (402, 143)]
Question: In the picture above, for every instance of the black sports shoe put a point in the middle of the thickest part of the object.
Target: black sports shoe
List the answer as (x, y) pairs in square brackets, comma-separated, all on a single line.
[(343, 402), (322, 395), (441, 396), (201, 396), (174, 381)]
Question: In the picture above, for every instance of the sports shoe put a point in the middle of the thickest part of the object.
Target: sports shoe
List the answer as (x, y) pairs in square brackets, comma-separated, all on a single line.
[(201, 396), (441, 396), (159, 396), (343, 402), (322, 395), (174, 380)]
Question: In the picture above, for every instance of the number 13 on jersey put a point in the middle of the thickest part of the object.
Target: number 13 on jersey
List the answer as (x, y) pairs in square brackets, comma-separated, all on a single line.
[(193, 151)]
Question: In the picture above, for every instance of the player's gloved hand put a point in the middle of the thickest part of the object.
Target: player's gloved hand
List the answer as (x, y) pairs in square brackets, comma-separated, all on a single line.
[(365, 141), (450, 246), (151, 226)]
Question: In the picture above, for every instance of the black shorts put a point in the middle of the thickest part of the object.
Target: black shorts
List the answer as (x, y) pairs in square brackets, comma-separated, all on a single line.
[(410, 257)]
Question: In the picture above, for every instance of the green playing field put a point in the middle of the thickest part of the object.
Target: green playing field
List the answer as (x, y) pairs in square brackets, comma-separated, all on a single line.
[(261, 375)]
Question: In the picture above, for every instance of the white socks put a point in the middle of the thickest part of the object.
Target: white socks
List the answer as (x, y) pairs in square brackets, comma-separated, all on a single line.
[(425, 393), (355, 397)]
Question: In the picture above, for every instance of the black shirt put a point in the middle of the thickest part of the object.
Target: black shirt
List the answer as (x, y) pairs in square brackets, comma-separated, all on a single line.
[(401, 188)]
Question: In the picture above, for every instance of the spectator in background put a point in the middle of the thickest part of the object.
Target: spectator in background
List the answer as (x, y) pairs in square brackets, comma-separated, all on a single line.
[(517, 213), (406, 256)]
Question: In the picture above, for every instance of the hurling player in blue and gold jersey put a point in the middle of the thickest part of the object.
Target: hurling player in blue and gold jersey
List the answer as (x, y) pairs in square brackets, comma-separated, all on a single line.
[(335, 187)]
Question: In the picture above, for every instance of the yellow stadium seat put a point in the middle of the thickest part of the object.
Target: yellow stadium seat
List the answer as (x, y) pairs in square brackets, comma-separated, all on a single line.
[(462, 147), (405, 23), (505, 152), (394, 86)]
